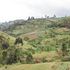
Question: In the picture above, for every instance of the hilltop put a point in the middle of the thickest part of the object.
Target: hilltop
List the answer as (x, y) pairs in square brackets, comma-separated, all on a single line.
[(18, 27)]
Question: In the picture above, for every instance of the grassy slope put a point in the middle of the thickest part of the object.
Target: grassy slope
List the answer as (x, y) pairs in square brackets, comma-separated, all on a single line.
[(39, 31), (8, 38), (41, 66), (11, 40), (29, 26)]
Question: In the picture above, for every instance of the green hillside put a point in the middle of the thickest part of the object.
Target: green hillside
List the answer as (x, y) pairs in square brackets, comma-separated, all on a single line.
[(30, 26), (36, 44)]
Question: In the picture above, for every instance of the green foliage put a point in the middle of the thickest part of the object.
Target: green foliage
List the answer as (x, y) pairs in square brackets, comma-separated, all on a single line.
[(65, 22), (64, 48), (26, 38), (29, 58), (19, 40), (46, 35)]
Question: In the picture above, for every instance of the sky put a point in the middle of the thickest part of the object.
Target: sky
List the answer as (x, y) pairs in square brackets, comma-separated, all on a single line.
[(22, 9)]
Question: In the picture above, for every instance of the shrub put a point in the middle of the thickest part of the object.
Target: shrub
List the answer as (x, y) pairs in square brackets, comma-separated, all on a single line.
[(18, 40), (29, 58), (64, 49), (11, 56), (26, 38), (5, 45), (66, 58)]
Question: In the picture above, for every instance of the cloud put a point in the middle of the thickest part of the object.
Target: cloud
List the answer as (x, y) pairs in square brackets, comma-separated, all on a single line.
[(21, 9)]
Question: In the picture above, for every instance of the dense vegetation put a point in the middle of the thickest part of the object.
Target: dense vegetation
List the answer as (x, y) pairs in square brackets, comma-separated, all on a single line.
[(35, 41)]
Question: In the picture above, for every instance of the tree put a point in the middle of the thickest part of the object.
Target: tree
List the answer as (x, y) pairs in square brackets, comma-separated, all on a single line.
[(29, 58), (29, 18), (4, 42), (54, 16), (65, 22), (64, 49), (32, 18), (11, 56), (5, 45), (18, 41), (46, 16)]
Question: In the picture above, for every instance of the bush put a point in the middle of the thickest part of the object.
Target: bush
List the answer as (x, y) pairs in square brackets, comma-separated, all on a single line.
[(11, 56), (18, 40), (64, 49), (26, 38), (5, 45), (29, 58), (66, 58)]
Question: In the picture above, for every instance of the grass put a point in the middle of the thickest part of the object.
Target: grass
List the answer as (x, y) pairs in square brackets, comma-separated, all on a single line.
[(41, 66), (8, 38), (45, 54)]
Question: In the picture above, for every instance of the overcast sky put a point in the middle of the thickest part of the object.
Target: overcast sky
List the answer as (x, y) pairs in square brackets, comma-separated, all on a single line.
[(21, 9)]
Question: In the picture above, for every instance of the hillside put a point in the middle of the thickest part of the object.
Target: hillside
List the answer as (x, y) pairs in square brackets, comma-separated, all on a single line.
[(39, 44), (19, 27), (5, 37)]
